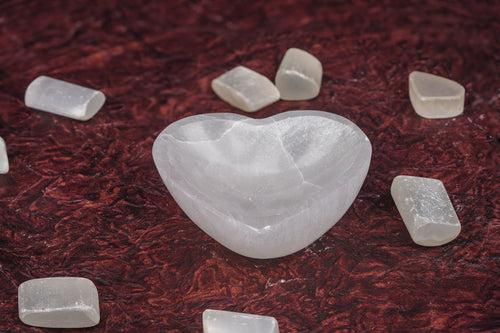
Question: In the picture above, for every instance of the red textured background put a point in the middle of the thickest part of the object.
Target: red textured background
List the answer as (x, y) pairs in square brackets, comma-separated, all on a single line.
[(84, 199)]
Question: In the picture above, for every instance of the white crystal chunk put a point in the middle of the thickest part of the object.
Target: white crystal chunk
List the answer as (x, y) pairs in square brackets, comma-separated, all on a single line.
[(63, 98), (299, 75), (59, 302), (245, 89), (426, 210), (215, 321), (434, 96), (4, 160), (263, 188)]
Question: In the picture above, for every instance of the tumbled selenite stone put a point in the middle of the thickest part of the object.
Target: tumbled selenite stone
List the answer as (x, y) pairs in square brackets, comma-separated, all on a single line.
[(426, 210), (263, 188), (215, 321), (4, 160), (433, 96), (245, 89), (59, 302), (63, 98), (299, 75)]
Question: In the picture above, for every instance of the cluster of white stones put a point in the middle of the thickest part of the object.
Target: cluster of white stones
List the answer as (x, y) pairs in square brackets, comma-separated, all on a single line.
[(255, 185), (298, 78)]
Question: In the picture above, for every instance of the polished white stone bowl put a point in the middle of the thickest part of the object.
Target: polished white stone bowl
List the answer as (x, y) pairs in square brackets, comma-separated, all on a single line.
[(264, 188)]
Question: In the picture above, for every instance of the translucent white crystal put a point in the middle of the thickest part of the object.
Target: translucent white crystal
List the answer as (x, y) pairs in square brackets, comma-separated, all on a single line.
[(63, 98), (433, 96), (245, 89), (426, 210), (59, 302), (264, 188), (4, 160), (299, 75), (215, 321)]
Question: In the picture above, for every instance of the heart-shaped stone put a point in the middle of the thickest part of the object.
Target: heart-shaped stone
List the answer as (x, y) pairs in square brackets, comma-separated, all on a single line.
[(263, 188)]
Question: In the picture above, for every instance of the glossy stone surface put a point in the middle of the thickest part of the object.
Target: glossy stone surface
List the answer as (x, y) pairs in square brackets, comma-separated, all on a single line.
[(299, 75), (59, 302), (215, 321), (263, 188), (426, 210), (4, 159), (434, 96), (245, 89), (63, 98)]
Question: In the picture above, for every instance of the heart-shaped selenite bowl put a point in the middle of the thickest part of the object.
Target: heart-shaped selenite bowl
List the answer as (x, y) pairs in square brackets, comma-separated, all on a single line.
[(264, 188)]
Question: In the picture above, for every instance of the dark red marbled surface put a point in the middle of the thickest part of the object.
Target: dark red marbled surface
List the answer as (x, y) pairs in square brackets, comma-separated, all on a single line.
[(84, 199)]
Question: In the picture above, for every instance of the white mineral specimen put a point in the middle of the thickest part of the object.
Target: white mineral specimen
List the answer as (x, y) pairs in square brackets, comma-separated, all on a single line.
[(59, 302), (433, 96), (4, 160), (215, 321), (299, 76), (426, 210), (263, 188), (63, 98), (245, 89)]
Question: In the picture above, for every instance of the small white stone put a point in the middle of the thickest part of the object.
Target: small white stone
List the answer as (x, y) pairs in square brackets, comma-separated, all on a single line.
[(63, 98), (426, 210), (299, 76), (4, 160), (245, 89), (59, 302), (434, 96), (215, 321)]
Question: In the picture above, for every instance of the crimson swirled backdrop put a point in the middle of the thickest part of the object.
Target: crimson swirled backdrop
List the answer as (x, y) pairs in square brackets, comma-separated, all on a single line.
[(84, 199)]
